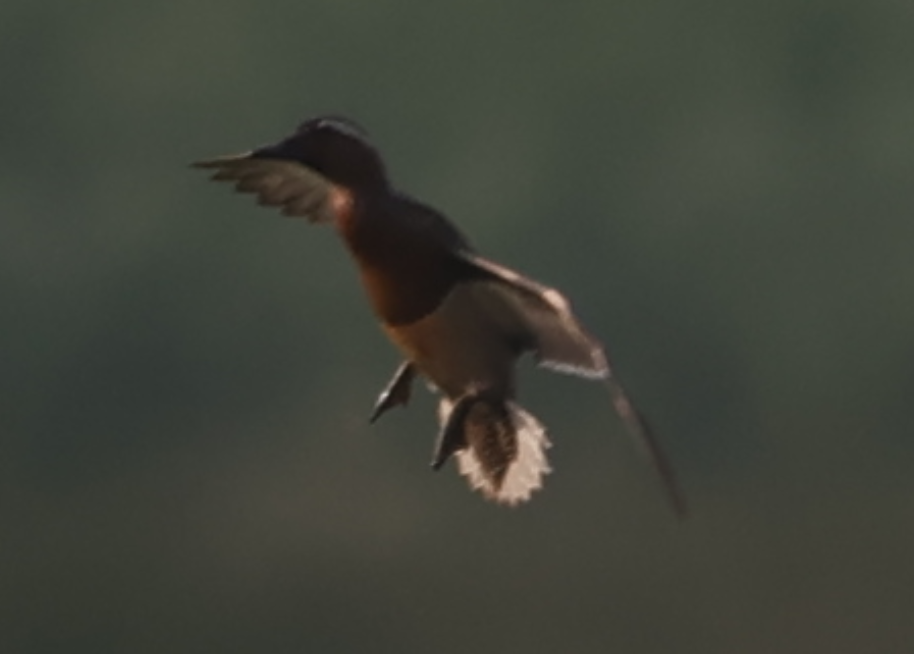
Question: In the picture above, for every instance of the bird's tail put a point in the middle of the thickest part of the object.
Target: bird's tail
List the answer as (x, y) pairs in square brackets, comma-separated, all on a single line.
[(500, 448)]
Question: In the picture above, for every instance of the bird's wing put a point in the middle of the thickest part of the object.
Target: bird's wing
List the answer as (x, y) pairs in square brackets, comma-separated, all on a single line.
[(541, 319), (297, 189)]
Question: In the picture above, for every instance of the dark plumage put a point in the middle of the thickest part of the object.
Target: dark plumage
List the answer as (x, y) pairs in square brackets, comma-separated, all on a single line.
[(460, 320)]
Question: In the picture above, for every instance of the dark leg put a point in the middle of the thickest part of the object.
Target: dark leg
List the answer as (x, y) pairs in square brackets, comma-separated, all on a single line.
[(397, 391), (452, 437), (461, 429)]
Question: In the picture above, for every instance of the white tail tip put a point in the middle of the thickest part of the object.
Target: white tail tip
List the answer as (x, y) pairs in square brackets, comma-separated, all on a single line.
[(524, 475)]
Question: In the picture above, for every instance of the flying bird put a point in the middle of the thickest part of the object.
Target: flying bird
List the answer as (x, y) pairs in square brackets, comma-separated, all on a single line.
[(461, 321)]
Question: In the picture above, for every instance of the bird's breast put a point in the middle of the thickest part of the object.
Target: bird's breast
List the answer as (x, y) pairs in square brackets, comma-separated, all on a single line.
[(457, 346), (405, 294), (405, 276)]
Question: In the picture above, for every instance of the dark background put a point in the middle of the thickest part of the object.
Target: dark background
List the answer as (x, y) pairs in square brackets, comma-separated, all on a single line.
[(724, 190)]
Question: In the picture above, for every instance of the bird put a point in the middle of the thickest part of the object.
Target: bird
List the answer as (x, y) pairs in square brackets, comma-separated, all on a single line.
[(461, 321)]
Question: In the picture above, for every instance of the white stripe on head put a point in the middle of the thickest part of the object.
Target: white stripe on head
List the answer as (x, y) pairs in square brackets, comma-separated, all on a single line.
[(344, 126)]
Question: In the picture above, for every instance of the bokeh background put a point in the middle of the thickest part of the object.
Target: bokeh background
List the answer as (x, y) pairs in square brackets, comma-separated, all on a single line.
[(725, 191)]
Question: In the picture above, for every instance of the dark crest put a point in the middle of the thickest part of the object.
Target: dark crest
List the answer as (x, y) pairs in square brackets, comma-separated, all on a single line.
[(335, 147)]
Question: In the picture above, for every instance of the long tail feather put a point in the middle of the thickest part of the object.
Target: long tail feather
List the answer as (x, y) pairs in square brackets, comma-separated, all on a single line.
[(639, 428)]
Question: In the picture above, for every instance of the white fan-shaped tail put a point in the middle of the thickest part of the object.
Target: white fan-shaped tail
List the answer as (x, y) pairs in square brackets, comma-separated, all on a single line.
[(525, 473)]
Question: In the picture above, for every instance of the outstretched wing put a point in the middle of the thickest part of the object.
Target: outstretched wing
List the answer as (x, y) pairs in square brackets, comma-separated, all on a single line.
[(297, 189), (541, 319)]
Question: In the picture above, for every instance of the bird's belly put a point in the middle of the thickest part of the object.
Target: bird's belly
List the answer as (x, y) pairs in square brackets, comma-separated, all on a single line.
[(459, 346)]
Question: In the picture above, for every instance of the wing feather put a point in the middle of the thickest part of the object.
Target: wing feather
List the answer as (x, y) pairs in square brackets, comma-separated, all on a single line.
[(542, 319), (560, 342), (298, 190)]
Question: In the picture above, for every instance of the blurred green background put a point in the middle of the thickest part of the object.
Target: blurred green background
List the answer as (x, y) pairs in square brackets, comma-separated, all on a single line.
[(723, 189)]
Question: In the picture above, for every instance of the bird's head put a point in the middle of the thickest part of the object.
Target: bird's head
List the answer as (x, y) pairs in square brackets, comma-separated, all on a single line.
[(335, 147)]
